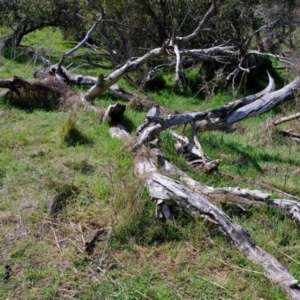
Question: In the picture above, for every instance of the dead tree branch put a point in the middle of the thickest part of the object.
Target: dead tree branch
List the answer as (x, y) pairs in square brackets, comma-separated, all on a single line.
[(287, 119), (200, 25), (225, 115)]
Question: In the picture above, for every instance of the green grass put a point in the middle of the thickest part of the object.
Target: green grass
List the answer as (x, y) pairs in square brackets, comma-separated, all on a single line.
[(70, 155)]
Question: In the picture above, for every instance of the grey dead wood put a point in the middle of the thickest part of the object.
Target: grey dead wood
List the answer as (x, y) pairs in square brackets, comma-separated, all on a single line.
[(113, 115), (196, 159), (287, 119), (164, 188), (104, 83), (291, 206), (243, 197), (225, 115)]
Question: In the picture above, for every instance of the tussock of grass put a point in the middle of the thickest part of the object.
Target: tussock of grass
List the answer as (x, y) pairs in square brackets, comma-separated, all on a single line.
[(71, 135)]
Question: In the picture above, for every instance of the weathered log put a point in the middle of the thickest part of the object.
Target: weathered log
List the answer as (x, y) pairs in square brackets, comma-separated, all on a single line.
[(114, 113), (203, 189), (135, 101), (243, 197), (213, 118), (118, 131), (112, 116), (162, 187), (194, 154), (263, 185), (265, 103), (152, 115)]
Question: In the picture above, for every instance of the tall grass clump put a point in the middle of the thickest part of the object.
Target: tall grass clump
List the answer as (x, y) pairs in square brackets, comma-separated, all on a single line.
[(168, 146), (71, 135)]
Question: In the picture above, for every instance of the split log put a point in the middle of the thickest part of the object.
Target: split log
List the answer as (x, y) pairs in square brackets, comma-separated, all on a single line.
[(243, 197), (265, 103), (162, 188)]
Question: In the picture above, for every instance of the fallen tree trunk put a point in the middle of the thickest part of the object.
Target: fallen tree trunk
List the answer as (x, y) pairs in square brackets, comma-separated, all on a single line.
[(243, 197), (50, 93), (265, 103), (217, 118), (164, 188)]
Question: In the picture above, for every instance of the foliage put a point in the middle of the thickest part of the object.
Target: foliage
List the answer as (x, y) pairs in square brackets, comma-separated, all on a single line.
[(23, 17)]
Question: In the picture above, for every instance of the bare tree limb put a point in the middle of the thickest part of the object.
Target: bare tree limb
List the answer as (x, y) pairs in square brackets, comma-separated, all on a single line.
[(201, 23), (79, 45), (177, 69), (287, 119), (224, 115), (130, 66)]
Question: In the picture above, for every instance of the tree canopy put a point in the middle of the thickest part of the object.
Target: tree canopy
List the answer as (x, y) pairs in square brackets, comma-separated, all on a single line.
[(24, 17)]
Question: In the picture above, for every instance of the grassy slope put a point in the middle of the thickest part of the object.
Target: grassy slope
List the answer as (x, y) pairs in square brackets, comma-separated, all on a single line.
[(150, 259)]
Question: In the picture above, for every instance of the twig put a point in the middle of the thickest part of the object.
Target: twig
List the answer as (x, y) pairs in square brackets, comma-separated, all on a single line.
[(295, 261), (146, 297), (216, 284), (287, 119), (107, 276), (242, 269), (56, 239), (79, 248)]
